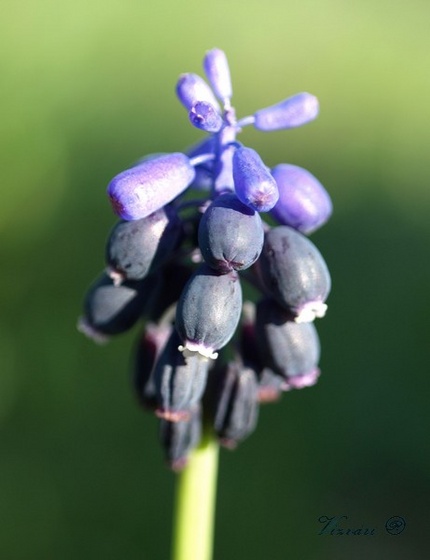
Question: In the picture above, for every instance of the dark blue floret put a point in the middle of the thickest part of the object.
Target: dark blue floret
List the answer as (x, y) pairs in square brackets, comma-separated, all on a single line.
[(179, 380), (235, 403), (231, 234), (137, 248), (111, 309), (209, 310), (295, 273), (290, 349)]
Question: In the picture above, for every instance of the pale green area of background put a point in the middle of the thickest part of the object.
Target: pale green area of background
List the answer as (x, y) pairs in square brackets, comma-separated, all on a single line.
[(86, 89)]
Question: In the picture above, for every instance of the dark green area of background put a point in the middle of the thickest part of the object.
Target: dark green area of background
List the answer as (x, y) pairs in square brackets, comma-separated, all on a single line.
[(87, 88)]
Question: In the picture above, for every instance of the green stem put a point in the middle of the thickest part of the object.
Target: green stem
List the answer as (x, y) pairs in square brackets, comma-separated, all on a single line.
[(195, 503)]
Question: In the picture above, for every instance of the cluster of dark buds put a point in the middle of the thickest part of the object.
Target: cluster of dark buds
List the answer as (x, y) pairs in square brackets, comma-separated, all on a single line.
[(190, 230)]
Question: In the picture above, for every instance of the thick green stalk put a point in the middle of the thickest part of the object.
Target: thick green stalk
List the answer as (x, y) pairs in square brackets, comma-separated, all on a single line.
[(195, 503)]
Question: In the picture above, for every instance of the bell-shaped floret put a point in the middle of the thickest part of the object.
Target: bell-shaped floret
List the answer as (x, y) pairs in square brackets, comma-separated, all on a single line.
[(235, 403), (290, 349), (136, 248), (303, 203), (231, 234), (217, 71), (290, 113), (253, 183), (191, 88), (180, 380), (208, 311), (145, 188), (110, 309), (204, 116), (295, 273)]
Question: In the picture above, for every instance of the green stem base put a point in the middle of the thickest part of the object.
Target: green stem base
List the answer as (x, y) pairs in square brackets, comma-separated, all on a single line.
[(195, 503)]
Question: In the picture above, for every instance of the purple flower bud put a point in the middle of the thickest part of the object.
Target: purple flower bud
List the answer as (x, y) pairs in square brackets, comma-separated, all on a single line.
[(294, 111), (192, 88), (216, 68), (253, 182), (290, 349), (143, 189), (203, 115), (303, 203)]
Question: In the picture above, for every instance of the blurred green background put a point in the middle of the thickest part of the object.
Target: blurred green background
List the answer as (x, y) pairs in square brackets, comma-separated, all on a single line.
[(87, 88)]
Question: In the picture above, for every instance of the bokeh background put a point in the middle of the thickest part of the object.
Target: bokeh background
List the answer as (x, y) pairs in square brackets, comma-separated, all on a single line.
[(87, 87)]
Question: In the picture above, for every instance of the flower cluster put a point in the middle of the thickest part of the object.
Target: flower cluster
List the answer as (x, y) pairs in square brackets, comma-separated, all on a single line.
[(177, 262)]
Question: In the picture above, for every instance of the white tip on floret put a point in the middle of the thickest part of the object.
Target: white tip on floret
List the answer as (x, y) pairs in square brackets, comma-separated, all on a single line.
[(192, 348), (311, 311)]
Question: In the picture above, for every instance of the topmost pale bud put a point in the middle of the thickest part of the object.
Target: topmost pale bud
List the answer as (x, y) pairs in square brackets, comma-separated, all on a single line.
[(218, 73)]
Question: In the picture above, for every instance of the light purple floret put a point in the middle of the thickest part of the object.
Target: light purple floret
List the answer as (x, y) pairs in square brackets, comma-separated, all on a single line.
[(216, 68), (145, 188), (290, 113), (253, 183), (204, 116), (303, 203), (191, 88)]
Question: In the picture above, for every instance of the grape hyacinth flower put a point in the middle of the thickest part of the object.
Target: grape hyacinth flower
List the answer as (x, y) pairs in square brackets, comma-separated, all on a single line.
[(196, 231)]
